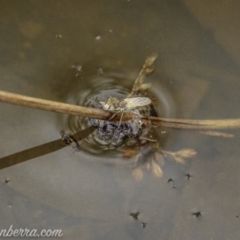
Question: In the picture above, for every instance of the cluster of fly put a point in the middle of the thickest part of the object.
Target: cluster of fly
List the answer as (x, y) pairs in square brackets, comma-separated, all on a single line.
[(110, 131), (117, 132)]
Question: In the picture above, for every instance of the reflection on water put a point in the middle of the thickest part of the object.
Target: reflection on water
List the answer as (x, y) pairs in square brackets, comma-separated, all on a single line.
[(84, 51)]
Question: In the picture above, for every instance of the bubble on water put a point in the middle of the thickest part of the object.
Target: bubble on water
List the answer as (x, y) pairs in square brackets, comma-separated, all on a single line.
[(98, 37)]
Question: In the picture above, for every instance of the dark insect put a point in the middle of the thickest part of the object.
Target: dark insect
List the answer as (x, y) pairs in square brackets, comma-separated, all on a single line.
[(197, 214), (70, 140), (134, 215), (144, 224)]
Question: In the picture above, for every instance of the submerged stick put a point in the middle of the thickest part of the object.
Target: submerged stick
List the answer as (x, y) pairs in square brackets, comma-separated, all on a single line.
[(59, 107)]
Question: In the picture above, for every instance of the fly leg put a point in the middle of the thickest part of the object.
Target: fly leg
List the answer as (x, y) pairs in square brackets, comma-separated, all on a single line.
[(114, 115), (119, 124)]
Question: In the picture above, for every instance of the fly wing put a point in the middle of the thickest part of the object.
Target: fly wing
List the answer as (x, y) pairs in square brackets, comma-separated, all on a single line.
[(137, 102)]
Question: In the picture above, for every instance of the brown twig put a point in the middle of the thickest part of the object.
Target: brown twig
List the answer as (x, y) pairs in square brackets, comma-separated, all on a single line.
[(146, 70), (59, 107), (189, 124), (53, 106)]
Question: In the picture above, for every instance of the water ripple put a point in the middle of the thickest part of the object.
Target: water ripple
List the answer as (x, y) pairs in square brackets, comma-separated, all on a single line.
[(114, 85)]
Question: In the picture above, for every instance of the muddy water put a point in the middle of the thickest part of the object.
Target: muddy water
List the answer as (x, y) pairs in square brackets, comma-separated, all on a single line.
[(80, 51)]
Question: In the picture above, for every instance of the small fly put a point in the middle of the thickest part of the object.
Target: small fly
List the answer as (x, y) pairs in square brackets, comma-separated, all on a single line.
[(132, 103), (127, 104)]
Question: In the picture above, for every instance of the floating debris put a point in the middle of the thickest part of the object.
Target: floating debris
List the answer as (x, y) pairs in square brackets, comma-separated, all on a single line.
[(135, 215), (152, 158), (197, 214), (188, 176), (144, 224), (6, 180)]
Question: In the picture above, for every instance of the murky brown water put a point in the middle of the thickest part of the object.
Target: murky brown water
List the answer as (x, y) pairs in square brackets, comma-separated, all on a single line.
[(81, 51)]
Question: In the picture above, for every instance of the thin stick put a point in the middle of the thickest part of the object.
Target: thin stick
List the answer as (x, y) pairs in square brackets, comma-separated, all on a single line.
[(146, 69), (189, 124), (59, 107), (52, 106)]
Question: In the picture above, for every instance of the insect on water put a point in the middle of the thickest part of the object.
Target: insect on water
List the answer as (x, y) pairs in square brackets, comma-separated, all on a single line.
[(127, 104), (70, 140), (132, 103)]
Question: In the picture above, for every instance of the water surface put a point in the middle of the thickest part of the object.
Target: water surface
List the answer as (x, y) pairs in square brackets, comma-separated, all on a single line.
[(63, 50)]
